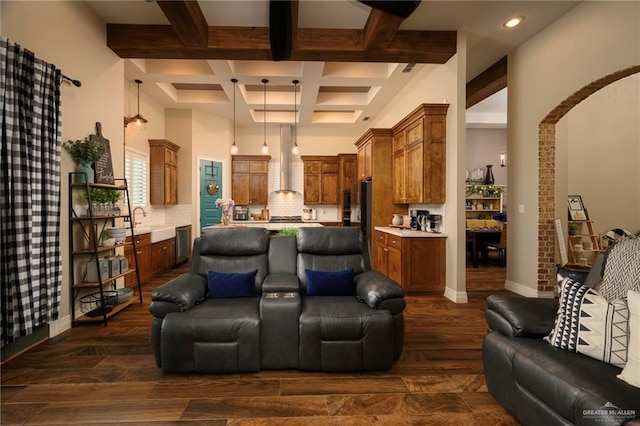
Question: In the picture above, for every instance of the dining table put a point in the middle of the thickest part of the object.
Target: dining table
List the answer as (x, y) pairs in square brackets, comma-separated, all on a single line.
[(478, 237)]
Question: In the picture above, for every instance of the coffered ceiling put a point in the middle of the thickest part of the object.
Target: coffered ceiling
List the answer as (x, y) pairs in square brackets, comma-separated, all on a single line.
[(350, 59)]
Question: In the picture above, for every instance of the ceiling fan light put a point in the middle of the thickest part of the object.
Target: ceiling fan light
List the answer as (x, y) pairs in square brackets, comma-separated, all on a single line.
[(513, 22)]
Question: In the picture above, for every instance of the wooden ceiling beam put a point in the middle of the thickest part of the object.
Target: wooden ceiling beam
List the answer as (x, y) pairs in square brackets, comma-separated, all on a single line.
[(380, 29), (488, 82), (187, 20), (252, 43)]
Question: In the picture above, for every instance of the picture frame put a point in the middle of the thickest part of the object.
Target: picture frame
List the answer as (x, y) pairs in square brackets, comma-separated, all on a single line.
[(576, 208)]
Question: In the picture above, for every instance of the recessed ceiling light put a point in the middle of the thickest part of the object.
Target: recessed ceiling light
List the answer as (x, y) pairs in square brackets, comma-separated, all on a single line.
[(513, 22)]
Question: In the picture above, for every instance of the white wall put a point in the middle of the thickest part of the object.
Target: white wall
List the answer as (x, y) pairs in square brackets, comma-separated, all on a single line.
[(70, 36), (602, 158), (484, 147), (442, 84), (592, 40)]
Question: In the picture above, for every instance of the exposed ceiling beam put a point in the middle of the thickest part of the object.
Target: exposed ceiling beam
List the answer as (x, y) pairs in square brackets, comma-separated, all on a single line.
[(187, 20), (252, 43), (380, 29), (490, 81)]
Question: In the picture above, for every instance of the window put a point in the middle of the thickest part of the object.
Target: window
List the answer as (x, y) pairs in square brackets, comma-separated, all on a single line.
[(136, 171)]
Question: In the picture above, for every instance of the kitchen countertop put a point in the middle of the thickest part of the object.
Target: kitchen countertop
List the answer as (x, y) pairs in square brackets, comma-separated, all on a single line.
[(264, 224), (407, 233)]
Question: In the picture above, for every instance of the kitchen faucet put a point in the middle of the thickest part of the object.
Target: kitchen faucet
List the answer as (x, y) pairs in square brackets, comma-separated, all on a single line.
[(144, 214)]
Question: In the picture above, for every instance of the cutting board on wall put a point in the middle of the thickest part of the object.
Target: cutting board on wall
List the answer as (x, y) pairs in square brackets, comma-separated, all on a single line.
[(103, 166)]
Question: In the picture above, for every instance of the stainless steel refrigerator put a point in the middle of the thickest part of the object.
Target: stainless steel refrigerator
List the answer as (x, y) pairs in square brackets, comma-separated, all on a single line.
[(365, 212)]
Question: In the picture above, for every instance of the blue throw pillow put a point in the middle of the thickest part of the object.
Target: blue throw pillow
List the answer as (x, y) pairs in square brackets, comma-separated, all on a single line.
[(223, 285), (330, 283)]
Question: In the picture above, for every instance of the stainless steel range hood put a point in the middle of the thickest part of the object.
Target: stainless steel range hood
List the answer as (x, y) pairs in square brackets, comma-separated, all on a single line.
[(285, 160)]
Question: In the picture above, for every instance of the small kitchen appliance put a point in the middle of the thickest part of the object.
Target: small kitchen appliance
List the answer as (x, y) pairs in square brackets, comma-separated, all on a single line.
[(436, 222), (240, 213)]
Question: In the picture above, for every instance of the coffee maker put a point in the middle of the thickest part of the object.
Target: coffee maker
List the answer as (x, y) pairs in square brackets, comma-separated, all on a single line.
[(436, 222), (414, 220), (422, 217)]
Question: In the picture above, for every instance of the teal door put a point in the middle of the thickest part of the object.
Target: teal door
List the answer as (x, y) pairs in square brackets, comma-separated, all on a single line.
[(210, 191)]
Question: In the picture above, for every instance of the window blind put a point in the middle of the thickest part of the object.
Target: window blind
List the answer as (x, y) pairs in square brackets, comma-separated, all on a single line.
[(136, 166)]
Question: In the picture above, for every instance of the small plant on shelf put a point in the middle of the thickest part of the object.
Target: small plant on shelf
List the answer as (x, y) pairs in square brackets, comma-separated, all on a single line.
[(84, 150), (573, 228)]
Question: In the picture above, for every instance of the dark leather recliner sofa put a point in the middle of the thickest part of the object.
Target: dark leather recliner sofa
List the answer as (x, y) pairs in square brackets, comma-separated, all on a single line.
[(282, 327), (543, 385)]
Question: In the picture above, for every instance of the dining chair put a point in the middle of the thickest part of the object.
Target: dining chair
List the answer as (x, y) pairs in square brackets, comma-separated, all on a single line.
[(501, 245)]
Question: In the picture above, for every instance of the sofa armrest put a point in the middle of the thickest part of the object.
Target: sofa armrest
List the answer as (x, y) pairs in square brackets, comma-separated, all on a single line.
[(379, 292), (178, 295), (519, 316), (281, 282)]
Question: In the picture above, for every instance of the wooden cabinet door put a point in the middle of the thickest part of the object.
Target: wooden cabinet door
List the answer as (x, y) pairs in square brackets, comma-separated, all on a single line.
[(312, 188), (380, 258), (398, 178), (414, 174), (240, 192), (361, 160), (368, 164), (144, 263), (348, 179), (258, 188), (394, 264), (170, 185), (130, 279), (329, 188)]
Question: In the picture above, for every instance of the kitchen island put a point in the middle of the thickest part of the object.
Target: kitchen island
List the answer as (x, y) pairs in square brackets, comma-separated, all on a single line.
[(271, 226)]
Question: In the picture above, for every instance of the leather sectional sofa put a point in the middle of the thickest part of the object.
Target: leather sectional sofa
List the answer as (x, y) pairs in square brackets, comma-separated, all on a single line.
[(282, 326), (543, 385)]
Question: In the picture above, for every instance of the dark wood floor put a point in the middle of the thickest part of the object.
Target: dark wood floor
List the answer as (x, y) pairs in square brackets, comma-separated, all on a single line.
[(106, 375)]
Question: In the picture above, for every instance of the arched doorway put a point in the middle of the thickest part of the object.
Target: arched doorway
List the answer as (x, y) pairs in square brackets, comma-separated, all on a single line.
[(547, 170)]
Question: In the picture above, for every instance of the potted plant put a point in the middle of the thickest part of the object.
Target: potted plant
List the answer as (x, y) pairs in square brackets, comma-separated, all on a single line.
[(573, 228), (85, 152), (113, 196)]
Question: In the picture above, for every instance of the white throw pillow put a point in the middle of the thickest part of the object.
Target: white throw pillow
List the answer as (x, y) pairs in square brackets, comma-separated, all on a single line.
[(631, 371), (586, 323)]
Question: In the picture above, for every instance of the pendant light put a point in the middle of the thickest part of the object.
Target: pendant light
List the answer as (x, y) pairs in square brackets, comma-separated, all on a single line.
[(265, 148), (295, 150), (139, 122), (234, 147)]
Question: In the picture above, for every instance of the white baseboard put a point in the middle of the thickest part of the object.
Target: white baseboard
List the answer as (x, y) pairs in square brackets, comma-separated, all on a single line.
[(456, 296), (527, 291), (59, 326)]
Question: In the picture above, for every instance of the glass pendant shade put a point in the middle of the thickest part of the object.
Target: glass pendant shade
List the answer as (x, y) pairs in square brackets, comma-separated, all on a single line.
[(265, 148), (138, 122)]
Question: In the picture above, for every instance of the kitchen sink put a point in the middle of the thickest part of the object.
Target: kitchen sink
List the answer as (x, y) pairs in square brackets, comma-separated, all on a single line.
[(158, 233)]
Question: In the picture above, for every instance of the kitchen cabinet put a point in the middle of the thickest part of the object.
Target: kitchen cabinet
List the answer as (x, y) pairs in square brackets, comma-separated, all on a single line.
[(250, 179), (143, 251), (320, 179), (163, 168), (364, 160), (375, 161), (419, 156), (416, 263), (348, 179), (163, 256)]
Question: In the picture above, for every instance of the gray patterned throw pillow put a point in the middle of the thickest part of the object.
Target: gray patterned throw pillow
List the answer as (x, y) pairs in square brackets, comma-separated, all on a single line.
[(621, 270)]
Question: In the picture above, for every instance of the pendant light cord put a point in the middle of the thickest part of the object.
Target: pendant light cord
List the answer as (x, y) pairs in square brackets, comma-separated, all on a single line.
[(264, 111)]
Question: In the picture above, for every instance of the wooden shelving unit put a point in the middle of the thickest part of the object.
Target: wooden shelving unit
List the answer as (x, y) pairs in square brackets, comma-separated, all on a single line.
[(85, 228), (583, 246), (477, 205)]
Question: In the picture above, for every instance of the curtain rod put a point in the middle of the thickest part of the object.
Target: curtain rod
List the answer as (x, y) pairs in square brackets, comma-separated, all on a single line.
[(76, 83)]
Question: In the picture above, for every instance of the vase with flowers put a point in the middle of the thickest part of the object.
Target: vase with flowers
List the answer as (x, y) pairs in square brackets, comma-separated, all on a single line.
[(501, 218), (227, 207)]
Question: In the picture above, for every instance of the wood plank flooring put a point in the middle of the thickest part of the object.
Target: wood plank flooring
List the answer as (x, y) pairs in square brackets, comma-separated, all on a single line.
[(107, 375)]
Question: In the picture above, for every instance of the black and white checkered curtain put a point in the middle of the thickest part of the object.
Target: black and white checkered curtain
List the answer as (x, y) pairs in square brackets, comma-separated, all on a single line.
[(30, 258)]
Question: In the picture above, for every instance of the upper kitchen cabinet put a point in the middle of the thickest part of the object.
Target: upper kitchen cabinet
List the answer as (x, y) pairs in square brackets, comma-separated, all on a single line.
[(364, 160), (419, 156), (320, 179), (250, 179), (163, 158), (348, 177)]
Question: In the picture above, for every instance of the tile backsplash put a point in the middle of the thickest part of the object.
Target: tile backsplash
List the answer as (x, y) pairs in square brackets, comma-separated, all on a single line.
[(292, 204)]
